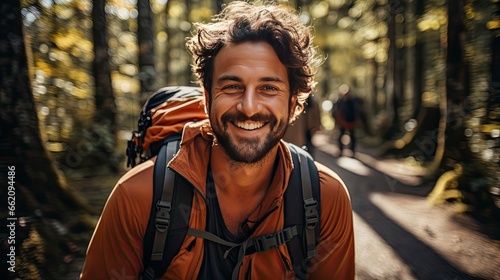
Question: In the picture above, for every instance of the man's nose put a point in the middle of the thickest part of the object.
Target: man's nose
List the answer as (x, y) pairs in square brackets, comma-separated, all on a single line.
[(250, 102)]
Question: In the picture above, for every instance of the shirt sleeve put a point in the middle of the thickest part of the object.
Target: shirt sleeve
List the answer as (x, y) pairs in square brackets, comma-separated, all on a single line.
[(335, 251), (115, 250)]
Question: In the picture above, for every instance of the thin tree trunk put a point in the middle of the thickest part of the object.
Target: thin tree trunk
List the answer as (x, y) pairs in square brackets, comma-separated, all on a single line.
[(145, 37), (392, 78), (104, 100), (218, 6), (168, 76), (494, 88), (104, 123), (457, 84)]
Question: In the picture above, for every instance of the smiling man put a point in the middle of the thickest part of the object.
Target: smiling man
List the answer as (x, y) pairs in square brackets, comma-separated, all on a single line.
[(255, 63)]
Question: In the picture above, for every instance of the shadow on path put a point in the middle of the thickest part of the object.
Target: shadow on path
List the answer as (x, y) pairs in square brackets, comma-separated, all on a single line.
[(423, 261)]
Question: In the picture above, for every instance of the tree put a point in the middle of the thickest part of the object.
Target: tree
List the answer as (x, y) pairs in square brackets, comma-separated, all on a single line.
[(104, 126), (104, 100), (457, 85), (393, 77), (145, 40), (218, 6), (44, 209)]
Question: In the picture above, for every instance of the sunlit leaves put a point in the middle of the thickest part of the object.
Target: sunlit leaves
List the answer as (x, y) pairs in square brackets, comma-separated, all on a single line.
[(337, 4), (201, 14), (433, 20), (319, 9), (63, 12)]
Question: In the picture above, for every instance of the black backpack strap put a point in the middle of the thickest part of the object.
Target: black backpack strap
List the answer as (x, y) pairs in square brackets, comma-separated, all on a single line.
[(303, 189), (170, 211)]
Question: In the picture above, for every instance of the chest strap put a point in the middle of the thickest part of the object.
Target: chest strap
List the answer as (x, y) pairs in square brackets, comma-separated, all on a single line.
[(251, 245)]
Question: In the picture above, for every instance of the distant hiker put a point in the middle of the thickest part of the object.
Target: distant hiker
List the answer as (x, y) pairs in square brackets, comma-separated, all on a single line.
[(346, 114)]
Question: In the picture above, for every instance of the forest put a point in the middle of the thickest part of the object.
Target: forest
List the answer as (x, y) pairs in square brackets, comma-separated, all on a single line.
[(75, 73)]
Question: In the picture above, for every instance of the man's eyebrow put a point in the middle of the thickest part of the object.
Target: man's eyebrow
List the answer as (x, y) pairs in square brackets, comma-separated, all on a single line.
[(229, 78), (271, 79), (238, 79)]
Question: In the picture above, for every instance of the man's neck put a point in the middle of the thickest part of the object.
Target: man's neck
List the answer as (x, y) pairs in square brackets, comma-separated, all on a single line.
[(240, 180)]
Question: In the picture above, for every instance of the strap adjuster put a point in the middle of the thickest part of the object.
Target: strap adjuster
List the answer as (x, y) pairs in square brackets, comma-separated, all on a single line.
[(162, 219), (311, 212), (311, 254)]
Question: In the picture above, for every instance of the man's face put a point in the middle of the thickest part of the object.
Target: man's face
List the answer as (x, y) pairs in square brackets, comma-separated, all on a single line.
[(249, 108)]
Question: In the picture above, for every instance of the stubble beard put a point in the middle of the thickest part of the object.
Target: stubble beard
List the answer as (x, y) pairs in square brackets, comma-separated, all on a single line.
[(248, 150)]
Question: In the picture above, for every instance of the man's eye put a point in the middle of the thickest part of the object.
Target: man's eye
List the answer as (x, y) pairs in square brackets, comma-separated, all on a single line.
[(269, 89), (232, 89)]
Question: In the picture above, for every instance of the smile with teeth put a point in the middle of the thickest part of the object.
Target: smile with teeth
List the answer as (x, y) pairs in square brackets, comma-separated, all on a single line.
[(249, 125)]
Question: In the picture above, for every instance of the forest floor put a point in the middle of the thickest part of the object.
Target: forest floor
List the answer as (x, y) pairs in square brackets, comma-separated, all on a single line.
[(95, 191)]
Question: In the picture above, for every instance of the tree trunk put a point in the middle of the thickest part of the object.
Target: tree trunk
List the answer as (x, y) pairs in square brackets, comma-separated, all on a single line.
[(168, 46), (494, 88), (145, 38), (104, 100), (37, 194), (218, 6), (392, 78), (457, 85), (104, 127)]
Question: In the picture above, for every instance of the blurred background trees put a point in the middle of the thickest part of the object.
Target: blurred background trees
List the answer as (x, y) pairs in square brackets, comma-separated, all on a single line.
[(426, 71)]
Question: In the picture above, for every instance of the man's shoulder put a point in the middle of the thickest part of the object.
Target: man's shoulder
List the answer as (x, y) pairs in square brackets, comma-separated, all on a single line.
[(332, 186), (137, 179), (336, 208)]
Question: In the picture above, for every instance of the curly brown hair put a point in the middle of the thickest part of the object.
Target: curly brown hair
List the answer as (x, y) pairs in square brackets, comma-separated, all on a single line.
[(275, 24)]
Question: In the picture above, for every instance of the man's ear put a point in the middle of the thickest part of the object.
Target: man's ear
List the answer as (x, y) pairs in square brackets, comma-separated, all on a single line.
[(207, 100)]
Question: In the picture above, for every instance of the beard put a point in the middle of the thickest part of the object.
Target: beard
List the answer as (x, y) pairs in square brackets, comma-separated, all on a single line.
[(248, 150)]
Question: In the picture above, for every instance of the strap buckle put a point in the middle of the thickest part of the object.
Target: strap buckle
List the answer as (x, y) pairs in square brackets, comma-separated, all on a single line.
[(311, 213), (162, 219), (270, 241)]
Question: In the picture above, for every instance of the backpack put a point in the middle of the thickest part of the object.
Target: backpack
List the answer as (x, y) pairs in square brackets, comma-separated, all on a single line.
[(172, 194)]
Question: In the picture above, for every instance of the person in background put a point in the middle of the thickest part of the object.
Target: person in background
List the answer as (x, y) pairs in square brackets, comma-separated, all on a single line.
[(302, 130), (346, 114)]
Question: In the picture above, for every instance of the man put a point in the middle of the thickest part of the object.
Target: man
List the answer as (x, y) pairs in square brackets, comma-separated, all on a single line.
[(345, 112), (255, 63)]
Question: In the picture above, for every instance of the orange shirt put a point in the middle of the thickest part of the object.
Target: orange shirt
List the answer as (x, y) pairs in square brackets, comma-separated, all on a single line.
[(116, 247)]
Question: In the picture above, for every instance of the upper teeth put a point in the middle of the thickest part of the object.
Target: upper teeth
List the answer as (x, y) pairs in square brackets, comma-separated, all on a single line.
[(249, 126)]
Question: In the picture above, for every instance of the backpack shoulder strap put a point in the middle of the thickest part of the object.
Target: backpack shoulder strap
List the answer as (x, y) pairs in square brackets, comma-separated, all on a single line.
[(303, 189), (170, 212)]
